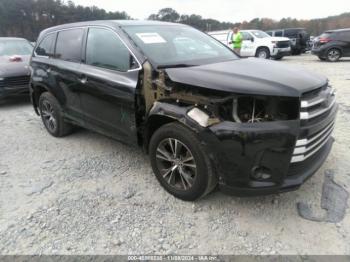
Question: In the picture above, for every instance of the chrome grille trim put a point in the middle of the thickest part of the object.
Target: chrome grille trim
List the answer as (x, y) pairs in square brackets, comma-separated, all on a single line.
[(323, 99), (317, 100), (307, 115), (304, 149), (300, 158), (306, 141), (314, 104)]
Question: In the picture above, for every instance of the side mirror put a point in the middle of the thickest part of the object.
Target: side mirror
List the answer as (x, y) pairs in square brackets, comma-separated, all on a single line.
[(252, 39)]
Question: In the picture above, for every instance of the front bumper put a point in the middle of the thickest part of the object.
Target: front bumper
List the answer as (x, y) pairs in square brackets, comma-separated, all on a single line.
[(279, 52), (294, 179), (321, 52), (238, 150), (6, 92), (14, 85)]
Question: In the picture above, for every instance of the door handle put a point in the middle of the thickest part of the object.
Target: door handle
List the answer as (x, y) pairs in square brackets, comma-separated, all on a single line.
[(83, 79)]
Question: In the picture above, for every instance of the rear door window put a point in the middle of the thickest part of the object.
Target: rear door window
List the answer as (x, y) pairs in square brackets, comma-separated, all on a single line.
[(46, 47), (278, 33), (344, 36), (69, 45)]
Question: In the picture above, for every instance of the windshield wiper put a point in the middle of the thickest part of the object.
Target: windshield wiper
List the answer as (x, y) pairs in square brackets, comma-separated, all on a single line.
[(173, 66)]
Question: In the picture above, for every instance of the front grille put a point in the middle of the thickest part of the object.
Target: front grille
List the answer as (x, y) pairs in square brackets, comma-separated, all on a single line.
[(309, 146), (15, 81), (316, 103), (315, 106), (295, 169), (283, 44)]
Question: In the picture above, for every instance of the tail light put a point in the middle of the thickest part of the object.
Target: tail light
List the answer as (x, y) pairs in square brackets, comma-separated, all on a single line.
[(16, 59), (324, 40)]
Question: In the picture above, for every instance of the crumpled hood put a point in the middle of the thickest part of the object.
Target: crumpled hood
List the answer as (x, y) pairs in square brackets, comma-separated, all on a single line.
[(8, 69), (249, 76)]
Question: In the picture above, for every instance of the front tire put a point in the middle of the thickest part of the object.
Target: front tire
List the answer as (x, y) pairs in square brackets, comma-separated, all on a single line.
[(180, 163), (333, 55), (263, 53), (52, 116)]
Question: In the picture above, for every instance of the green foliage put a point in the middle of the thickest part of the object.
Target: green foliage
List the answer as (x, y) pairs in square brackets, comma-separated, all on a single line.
[(26, 18), (314, 26)]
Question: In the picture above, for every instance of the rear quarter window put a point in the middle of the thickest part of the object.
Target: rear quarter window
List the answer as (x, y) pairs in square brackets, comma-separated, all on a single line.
[(344, 36), (331, 35), (69, 45)]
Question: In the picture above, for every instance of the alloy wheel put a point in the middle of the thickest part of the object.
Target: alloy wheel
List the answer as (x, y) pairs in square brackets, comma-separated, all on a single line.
[(48, 116), (176, 164), (333, 55), (262, 54)]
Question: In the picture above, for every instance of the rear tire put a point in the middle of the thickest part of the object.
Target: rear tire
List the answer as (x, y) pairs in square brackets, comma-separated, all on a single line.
[(52, 116), (180, 163), (333, 55), (263, 52), (322, 58)]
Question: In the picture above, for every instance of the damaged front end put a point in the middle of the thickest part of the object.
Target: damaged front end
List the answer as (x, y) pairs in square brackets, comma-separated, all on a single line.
[(249, 138)]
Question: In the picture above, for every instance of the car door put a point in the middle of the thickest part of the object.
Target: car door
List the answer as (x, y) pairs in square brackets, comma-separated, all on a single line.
[(346, 39), (248, 45), (64, 72), (41, 64), (229, 39), (109, 79)]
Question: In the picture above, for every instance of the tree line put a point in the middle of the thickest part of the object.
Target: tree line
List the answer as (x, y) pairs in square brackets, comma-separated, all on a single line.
[(313, 26), (26, 18)]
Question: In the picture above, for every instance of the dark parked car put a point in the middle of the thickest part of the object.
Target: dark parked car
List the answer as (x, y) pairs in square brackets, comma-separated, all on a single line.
[(14, 66), (298, 36), (332, 45), (205, 116)]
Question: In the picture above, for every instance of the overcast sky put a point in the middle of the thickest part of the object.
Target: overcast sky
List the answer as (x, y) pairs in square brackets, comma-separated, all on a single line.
[(227, 10)]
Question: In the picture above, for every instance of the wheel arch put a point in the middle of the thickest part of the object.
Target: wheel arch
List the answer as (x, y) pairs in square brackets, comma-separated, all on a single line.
[(336, 47), (37, 91), (261, 47), (163, 113)]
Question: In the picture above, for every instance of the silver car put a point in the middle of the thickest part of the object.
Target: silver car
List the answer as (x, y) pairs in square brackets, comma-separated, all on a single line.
[(14, 66)]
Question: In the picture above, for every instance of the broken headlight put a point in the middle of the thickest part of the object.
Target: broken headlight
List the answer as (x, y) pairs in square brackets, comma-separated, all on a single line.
[(255, 109)]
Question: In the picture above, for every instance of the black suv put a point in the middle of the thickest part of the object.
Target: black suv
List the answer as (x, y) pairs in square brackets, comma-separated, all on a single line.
[(205, 116), (298, 36), (332, 45)]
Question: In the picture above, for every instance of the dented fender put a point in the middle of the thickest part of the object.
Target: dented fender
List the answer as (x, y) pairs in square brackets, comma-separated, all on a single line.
[(175, 112)]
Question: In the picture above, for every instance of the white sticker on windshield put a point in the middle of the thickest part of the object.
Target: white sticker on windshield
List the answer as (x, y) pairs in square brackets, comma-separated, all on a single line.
[(151, 38)]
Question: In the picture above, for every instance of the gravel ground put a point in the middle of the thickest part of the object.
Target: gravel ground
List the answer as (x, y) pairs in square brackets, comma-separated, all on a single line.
[(88, 194)]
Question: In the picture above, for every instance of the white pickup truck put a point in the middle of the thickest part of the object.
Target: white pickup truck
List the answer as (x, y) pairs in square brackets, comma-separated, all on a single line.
[(257, 43)]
